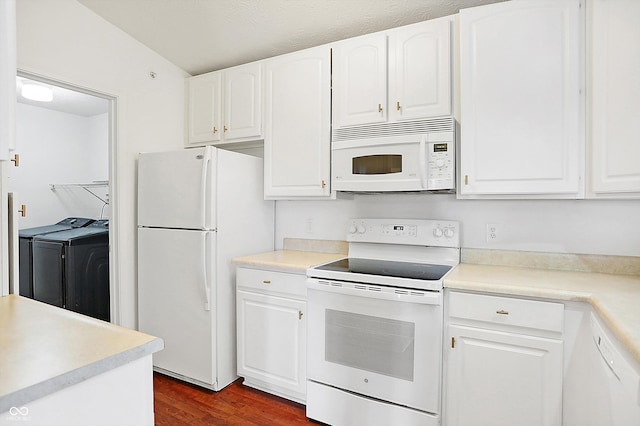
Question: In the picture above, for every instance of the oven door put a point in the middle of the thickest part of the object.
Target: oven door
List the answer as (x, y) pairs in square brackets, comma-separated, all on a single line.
[(380, 342)]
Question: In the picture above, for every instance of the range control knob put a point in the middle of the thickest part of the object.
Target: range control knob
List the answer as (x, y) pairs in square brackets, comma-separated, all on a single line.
[(437, 232), (361, 229), (449, 232), (352, 228), (439, 163)]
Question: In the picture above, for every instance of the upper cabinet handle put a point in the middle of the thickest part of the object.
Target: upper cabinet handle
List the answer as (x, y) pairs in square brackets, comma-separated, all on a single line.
[(225, 128), (215, 129), (379, 107), (16, 160), (398, 105)]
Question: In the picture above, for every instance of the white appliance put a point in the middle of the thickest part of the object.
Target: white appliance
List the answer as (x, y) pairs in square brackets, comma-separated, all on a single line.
[(374, 347), (197, 209), (395, 159), (618, 380)]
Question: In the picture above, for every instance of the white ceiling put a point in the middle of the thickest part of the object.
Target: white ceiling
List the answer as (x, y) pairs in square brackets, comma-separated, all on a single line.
[(206, 35), (65, 100)]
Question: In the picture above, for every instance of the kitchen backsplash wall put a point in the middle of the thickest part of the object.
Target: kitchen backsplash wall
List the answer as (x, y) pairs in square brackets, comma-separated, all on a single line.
[(608, 227)]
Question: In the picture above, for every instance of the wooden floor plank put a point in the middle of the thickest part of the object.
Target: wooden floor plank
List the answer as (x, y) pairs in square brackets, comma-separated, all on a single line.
[(178, 403)]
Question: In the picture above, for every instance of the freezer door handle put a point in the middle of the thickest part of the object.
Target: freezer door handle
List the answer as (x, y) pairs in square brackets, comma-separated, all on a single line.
[(203, 187), (205, 256)]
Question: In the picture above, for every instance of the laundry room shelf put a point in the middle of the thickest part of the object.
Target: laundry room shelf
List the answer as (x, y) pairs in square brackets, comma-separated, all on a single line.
[(86, 186)]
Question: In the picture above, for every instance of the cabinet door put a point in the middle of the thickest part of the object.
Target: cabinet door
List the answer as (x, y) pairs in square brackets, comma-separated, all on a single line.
[(360, 81), (243, 102), (204, 108), (503, 379), (615, 101), (297, 124), (522, 99), (272, 340), (420, 70)]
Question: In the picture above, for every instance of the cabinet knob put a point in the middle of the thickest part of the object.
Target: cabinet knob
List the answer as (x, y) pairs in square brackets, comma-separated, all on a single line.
[(23, 210), (398, 105), (215, 130), (379, 107)]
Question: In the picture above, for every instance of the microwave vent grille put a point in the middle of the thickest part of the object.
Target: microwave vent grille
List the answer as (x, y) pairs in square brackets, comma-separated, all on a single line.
[(394, 129)]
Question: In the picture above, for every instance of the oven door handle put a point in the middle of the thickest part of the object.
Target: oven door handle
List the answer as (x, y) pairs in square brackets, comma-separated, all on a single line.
[(377, 292)]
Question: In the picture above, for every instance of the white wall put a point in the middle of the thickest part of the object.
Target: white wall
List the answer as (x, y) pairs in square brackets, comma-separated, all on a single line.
[(65, 41), (562, 226), (58, 148)]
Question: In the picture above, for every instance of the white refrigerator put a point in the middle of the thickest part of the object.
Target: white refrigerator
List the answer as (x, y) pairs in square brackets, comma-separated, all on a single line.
[(197, 209)]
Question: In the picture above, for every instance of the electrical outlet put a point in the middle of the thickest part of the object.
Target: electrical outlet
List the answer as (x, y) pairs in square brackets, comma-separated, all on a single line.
[(308, 226), (493, 232)]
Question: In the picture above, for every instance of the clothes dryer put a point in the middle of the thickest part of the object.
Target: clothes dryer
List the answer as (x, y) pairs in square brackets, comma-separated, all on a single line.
[(71, 269), (25, 248)]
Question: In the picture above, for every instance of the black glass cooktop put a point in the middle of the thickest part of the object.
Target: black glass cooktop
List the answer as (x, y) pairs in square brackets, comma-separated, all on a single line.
[(419, 271)]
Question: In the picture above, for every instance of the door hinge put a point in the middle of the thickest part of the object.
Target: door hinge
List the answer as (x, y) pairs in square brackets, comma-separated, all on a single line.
[(453, 342)]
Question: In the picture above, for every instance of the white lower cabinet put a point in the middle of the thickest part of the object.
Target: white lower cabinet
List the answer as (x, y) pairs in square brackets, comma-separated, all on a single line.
[(271, 332), (504, 364)]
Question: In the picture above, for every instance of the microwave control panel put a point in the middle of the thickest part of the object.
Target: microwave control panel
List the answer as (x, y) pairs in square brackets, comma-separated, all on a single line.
[(440, 165)]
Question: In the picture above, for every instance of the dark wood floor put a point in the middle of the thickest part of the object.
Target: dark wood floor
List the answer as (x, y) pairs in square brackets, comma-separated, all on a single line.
[(179, 403)]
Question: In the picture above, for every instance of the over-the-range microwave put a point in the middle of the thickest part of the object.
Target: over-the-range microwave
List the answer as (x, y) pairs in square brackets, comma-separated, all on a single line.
[(404, 159)]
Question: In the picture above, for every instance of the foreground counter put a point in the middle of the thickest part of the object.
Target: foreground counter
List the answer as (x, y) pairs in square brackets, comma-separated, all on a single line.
[(59, 367)]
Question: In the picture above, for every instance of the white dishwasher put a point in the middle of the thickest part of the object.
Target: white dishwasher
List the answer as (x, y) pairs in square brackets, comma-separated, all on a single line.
[(619, 378)]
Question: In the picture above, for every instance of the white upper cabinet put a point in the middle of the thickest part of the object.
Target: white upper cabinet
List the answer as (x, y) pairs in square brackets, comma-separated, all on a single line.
[(225, 106), (204, 117), (297, 140), (412, 64), (420, 70), (360, 81), (522, 99), (614, 62)]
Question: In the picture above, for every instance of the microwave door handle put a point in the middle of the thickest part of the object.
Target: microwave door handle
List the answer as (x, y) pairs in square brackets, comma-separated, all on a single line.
[(422, 156)]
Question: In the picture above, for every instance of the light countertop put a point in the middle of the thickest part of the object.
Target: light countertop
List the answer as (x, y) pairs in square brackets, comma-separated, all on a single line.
[(44, 349), (616, 298), (293, 261)]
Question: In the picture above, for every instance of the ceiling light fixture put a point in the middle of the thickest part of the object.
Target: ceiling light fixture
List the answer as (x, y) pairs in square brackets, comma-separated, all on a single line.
[(36, 92)]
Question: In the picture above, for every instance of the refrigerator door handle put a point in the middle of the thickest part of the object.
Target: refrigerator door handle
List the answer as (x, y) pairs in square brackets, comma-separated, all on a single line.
[(203, 187), (205, 281)]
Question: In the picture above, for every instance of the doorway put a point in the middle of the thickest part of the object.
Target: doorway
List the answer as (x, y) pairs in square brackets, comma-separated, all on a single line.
[(66, 147)]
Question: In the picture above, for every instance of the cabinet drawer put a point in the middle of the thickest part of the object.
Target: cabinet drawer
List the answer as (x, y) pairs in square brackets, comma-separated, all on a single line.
[(272, 282), (507, 311)]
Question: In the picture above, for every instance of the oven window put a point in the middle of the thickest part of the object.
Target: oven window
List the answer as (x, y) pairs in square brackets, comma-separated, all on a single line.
[(376, 164), (370, 343)]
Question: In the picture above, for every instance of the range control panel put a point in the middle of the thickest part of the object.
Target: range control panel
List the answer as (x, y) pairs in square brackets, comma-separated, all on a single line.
[(422, 232)]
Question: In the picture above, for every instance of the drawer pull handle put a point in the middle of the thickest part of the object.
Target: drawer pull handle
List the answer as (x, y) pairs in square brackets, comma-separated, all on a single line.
[(267, 281), (502, 312)]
